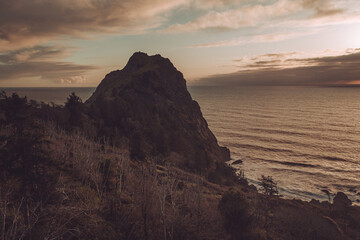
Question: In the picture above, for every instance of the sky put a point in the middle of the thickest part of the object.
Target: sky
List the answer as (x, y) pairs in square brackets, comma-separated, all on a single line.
[(75, 43)]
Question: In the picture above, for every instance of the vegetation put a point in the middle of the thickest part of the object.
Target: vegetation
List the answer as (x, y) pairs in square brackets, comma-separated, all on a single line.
[(268, 185), (59, 182), (235, 210), (75, 106)]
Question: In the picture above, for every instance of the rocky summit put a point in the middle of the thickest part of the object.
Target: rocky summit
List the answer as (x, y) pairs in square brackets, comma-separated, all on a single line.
[(148, 103)]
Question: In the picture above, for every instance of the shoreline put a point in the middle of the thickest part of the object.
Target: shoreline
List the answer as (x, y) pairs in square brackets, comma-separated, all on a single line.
[(288, 195)]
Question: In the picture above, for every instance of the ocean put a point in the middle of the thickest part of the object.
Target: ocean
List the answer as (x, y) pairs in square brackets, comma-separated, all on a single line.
[(306, 138)]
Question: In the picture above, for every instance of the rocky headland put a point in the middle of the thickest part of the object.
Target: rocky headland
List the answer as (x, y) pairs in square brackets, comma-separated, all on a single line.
[(148, 102)]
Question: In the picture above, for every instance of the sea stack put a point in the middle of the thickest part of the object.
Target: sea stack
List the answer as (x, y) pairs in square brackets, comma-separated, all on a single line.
[(148, 103)]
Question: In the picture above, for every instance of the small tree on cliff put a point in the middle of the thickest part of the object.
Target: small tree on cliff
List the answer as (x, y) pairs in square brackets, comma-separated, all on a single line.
[(268, 185)]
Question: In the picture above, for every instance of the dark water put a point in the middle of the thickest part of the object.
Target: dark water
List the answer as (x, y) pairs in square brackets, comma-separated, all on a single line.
[(307, 138)]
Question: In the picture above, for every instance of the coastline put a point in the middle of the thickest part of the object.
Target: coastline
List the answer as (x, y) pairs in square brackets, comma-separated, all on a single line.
[(293, 193)]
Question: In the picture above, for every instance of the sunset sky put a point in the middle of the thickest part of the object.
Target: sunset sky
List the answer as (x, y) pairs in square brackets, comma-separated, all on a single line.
[(65, 43)]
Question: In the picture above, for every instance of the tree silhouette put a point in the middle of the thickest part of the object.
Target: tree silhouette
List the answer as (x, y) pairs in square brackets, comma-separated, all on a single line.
[(268, 185), (75, 106)]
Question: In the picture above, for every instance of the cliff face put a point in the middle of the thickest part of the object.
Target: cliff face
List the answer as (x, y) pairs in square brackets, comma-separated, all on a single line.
[(148, 103)]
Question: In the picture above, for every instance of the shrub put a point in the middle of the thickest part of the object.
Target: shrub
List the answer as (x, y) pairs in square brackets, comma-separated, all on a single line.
[(75, 106), (236, 215)]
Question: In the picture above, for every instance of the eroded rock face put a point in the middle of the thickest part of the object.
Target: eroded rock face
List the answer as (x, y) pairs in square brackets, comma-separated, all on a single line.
[(148, 103)]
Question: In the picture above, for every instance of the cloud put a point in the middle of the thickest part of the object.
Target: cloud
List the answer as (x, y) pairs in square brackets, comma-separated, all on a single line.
[(43, 62), (321, 12), (205, 4), (25, 23), (322, 8), (38, 53), (74, 80), (284, 60), (284, 69), (245, 16), (271, 37), (27, 27)]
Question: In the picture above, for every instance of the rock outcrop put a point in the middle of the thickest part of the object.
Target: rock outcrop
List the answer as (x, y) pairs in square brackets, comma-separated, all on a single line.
[(148, 103)]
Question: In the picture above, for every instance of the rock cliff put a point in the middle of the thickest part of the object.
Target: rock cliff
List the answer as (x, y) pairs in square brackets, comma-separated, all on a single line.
[(148, 103)]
